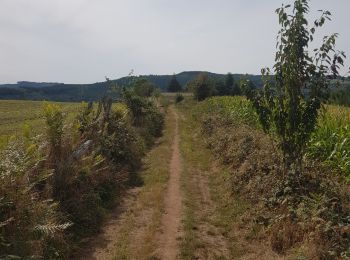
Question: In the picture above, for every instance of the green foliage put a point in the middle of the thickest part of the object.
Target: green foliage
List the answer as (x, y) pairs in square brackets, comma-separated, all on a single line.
[(330, 142), (179, 97), (288, 107), (202, 86), (319, 203), (229, 87), (340, 96), (119, 143), (229, 81), (54, 126), (174, 85), (92, 92), (144, 115), (232, 109), (247, 87), (69, 177), (30, 223), (143, 88)]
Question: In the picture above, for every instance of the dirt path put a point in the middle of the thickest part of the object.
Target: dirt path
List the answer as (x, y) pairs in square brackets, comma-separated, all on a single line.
[(146, 225), (184, 208), (171, 220)]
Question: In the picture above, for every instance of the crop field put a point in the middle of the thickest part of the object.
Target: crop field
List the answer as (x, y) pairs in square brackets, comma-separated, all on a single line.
[(15, 113)]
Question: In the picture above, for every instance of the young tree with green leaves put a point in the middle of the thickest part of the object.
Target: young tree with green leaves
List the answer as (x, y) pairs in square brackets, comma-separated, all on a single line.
[(174, 85), (203, 86), (143, 87), (288, 105)]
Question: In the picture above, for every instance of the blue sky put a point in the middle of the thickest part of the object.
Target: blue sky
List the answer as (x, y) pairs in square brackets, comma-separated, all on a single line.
[(82, 41)]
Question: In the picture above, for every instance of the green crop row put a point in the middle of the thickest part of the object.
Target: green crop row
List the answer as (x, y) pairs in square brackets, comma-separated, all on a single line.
[(236, 109)]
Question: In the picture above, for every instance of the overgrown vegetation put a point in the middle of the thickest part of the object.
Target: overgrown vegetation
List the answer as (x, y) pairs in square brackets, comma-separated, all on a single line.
[(56, 188), (316, 214)]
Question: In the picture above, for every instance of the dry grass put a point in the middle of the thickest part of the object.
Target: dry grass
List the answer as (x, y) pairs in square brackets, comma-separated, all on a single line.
[(307, 222), (137, 237), (214, 216)]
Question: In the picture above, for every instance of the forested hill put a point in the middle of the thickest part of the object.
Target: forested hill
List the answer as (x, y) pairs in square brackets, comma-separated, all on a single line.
[(79, 92)]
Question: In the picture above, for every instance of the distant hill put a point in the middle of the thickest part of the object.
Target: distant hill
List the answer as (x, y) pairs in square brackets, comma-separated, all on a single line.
[(79, 92)]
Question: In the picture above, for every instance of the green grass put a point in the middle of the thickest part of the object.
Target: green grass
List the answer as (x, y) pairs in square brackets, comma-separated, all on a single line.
[(236, 109), (330, 142), (199, 163), (154, 178), (15, 113)]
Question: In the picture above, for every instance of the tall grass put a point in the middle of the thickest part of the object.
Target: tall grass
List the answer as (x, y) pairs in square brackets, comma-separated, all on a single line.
[(330, 142), (236, 109)]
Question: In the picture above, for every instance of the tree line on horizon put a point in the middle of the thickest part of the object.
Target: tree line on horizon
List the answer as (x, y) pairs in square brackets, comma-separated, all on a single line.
[(204, 86)]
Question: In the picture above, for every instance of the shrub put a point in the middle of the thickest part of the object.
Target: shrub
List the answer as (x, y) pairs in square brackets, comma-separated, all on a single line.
[(54, 127), (119, 143), (145, 116), (179, 97), (143, 88), (203, 87), (30, 223)]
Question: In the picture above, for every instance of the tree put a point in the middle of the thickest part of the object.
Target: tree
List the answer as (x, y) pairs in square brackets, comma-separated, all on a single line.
[(289, 104), (174, 85), (229, 81), (143, 87), (220, 88), (246, 86), (227, 87), (203, 87)]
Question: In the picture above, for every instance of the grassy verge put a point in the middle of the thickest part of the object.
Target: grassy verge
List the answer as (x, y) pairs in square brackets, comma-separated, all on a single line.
[(217, 217), (190, 241), (300, 223), (149, 202)]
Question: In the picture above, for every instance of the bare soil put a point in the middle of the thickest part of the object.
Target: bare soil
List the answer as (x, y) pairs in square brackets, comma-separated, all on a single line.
[(171, 221)]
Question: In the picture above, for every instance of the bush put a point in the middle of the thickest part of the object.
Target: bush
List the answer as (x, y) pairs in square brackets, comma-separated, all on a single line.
[(203, 87), (145, 116), (119, 143), (30, 223), (54, 127), (179, 97)]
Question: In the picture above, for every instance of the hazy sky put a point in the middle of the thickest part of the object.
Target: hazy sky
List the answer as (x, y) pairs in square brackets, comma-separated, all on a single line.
[(82, 41)]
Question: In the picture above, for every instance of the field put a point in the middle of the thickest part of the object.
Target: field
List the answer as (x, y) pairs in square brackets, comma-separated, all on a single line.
[(15, 113)]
